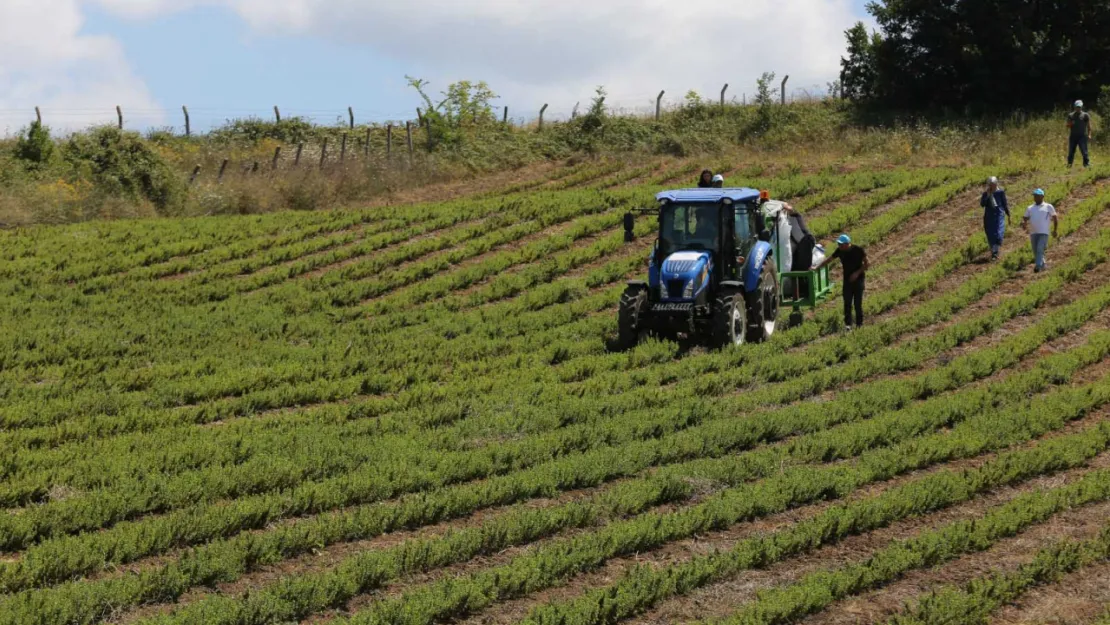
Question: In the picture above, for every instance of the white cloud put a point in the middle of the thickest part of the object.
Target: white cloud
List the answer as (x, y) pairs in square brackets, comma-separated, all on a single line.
[(558, 51), (45, 61)]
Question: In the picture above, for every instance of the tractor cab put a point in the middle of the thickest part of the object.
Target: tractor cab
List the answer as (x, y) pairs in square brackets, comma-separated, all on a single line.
[(704, 236)]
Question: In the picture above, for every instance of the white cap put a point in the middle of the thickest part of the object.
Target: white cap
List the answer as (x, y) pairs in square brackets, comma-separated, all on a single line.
[(1079, 103), (992, 180), (718, 178)]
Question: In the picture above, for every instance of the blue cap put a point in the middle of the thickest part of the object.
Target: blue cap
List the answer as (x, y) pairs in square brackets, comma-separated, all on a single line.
[(1038, 192), (844, 239)]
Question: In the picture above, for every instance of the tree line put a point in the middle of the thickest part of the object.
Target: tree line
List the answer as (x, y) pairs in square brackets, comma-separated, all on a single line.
[(979, 56)]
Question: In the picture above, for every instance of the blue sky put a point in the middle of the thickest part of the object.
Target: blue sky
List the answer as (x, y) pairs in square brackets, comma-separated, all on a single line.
[(235, 58)]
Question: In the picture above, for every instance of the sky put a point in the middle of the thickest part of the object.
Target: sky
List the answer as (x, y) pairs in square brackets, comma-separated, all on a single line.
[(78, 59)]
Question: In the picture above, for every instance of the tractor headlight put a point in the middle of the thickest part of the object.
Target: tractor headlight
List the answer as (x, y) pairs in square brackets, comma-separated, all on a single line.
[(688, 292)]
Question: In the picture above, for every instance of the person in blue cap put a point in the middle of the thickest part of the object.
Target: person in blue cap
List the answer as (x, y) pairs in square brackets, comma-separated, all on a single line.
[(994, 207), (853, 259), (1036, 221)]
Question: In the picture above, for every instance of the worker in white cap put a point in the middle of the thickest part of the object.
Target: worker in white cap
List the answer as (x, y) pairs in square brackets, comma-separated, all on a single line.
[(996, 214), (718, 181), (1079, 122), (1040, 220)]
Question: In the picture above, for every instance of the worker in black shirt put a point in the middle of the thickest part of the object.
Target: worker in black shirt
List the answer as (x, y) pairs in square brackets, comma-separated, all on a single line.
[(854, 260)]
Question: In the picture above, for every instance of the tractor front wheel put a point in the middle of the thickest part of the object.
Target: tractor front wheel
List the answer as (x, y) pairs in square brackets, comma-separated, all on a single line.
[(730, 319), (763, 305), (633, 307)]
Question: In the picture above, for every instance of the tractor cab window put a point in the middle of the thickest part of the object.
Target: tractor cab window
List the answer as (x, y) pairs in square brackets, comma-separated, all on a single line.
[(747, 225), (689, 227)]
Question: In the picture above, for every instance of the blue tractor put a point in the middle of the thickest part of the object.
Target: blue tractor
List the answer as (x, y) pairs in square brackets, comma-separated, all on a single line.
[(713, 274)]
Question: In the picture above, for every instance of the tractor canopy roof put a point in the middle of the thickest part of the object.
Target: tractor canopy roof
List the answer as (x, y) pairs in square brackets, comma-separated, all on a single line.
[(696, 195)]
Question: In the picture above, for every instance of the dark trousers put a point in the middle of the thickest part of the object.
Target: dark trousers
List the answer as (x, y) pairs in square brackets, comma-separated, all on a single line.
[(853, 297), (1081, 143)]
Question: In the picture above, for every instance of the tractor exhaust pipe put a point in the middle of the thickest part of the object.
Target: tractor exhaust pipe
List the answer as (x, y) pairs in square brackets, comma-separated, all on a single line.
[(629, 225)]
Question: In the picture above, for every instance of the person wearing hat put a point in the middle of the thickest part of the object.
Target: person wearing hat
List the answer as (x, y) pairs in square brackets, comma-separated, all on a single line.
[(853, 259), (718, 181), (994, 207), (1038, 217), (1079, 121)]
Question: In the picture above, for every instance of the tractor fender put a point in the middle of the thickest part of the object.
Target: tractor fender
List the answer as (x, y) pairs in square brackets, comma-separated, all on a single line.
[(754, 267), (637, 283)]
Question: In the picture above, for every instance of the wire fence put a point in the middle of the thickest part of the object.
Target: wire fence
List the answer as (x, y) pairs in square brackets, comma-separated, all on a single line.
[(199, 120)]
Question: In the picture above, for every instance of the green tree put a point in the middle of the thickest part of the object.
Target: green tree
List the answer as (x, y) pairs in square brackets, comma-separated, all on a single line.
[(858, 71), (465, 105), (980, 56), (35, 148)]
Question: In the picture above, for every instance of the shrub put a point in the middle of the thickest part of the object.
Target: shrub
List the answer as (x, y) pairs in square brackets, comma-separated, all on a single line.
[(254, 130), (36, 148), (121, 163)]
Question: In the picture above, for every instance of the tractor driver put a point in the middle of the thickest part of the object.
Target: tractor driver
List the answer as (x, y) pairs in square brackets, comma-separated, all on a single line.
[(705, 230)]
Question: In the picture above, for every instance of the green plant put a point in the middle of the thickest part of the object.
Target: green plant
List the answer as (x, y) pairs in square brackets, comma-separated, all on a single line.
[(465, 106), (35, 147), (122, 163)]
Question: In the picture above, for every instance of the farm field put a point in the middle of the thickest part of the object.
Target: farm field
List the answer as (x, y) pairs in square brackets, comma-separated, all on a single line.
[(411, 415)]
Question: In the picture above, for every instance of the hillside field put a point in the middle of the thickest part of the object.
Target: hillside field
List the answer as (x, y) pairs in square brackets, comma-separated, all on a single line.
[(410, 414)]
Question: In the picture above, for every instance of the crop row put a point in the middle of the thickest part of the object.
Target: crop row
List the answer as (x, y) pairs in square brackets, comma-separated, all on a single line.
[(843, 442), (460, 596), (981, 597), (714, 438), (304, 374), (836, 349), (929, 548), (801, 386)]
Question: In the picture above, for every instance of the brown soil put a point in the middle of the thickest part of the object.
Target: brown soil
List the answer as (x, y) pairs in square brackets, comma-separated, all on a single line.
[(1081, 597)]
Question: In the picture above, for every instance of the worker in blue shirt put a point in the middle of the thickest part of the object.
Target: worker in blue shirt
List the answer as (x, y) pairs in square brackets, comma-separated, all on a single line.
[(994, 208)]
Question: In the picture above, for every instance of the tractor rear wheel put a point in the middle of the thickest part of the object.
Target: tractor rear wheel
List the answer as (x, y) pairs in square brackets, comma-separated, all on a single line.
[(763, 305), (633, 307), (730, 319)]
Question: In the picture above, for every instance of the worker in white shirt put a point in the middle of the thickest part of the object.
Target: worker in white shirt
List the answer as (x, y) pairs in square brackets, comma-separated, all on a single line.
[(1036, 222)]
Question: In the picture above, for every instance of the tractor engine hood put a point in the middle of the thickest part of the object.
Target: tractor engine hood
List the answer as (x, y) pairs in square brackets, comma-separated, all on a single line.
[(684, 275)]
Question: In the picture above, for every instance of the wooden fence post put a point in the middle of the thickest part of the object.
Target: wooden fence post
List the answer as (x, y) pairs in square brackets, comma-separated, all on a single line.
[(196, 172), (38, 115), (542, 109), (574, 111), (277, 155), (782, 89), (658, 103), (505, 118), (343, 149), (277, 114), (119, 115), (297, 158), (188, 128), (223, 168), (408, 135), (351, 115), (389, 140), (723, 90), (323, 152), (366, 148)]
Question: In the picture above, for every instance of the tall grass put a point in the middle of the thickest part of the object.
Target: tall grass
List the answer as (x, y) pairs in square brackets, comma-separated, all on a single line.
[(72, 184)]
